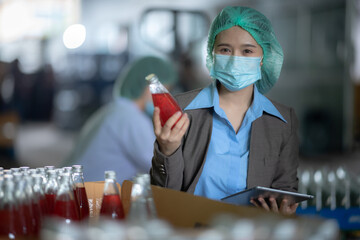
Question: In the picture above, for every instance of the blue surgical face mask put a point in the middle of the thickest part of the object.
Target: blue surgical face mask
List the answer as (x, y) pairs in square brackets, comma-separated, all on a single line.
[(149, 108), (235, 72)]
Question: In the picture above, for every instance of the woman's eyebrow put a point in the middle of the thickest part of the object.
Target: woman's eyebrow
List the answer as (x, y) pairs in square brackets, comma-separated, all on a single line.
[(229, 45), (248, 45), (223, 45)]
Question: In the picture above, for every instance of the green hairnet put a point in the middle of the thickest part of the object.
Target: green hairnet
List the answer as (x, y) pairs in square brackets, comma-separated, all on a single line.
[(261, 30), (131, 82)]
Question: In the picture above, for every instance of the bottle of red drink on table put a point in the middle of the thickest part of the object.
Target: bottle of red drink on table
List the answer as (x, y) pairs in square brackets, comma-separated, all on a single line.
[(10, 226), (65, 205), (24, 204), (51, 189), (162, 99), (80, 193), (39, 196), (111, 205)]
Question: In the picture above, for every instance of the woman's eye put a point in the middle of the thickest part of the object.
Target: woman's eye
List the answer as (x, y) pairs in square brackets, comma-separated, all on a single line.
[(225, 50), (248, 51)]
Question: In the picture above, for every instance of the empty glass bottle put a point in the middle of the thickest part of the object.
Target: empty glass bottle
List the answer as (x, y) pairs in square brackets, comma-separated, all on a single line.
[(142, 203), (162, 99), (111, 204)]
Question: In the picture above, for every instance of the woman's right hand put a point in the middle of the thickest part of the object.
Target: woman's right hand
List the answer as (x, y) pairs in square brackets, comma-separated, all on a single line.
[(169, 137)]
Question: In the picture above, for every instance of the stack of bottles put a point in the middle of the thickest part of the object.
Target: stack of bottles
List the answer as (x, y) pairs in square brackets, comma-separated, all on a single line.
[(28, 196), (332, 188)]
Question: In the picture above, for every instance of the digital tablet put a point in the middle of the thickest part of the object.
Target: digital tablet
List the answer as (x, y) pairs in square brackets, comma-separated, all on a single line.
[(244, 197)]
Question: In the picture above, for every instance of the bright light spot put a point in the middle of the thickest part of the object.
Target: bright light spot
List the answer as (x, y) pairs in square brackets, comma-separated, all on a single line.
[(318, 176), (340, 172), (74, 36)]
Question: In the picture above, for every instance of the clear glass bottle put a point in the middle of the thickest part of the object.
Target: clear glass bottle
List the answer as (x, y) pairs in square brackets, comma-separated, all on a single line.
[(24, 205), (51, 189), (10, 226), (162, 99), (24, 168), (34, 205), (47, 168), (65, 205), (79, 191), (39, 193), (42, 172), (14, 170), (142, 207), (111, 204)]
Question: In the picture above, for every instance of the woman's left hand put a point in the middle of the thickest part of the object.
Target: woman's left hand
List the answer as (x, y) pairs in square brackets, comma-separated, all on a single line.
[(285, 207)]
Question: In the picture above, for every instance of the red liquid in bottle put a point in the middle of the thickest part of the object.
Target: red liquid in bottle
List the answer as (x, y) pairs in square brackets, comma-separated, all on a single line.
[(82, 200), (50, 202), (36, 217), (43, 206), (66, 209), (10, 224), (167, 104), (76, 202), (111, 206), (25, 218)]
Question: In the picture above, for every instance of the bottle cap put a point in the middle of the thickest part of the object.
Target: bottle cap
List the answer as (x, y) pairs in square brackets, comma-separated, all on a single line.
[(77, 168), (150, 77), (110, 175)]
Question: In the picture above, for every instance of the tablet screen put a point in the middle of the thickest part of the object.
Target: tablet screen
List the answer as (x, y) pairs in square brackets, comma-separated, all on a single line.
[(244, 197)]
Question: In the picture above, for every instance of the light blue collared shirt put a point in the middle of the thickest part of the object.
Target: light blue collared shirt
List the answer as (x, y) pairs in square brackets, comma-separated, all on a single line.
[(225, 168)]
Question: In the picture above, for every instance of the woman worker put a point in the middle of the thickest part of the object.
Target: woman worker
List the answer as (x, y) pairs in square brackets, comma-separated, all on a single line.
[(231, 137)]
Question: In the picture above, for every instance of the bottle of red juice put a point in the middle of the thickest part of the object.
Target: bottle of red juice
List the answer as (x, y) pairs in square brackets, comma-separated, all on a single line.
[(162, 99)]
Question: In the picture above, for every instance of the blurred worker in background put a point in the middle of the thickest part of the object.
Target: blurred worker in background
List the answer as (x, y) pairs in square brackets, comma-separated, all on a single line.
[(119, 136)]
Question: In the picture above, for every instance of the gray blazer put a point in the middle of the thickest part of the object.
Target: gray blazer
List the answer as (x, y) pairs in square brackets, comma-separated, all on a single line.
[(273, 157)]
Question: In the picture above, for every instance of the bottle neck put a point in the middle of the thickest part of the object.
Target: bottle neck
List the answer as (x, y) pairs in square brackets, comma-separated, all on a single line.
[(110, 187), (8, 193), (78, 179), (65, 192)]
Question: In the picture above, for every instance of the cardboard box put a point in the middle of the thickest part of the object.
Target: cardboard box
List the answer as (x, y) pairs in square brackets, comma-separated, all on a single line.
[(182, 210)]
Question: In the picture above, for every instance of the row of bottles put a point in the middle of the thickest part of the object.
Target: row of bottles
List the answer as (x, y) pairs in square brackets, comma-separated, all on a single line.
[(28, 196), (332, 188)]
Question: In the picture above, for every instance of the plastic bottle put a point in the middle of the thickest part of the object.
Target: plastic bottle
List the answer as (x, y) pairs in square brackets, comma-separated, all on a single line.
[(80, 193), (65, 205), (111, 204), (142, 203), (162, 99), (51, 189)]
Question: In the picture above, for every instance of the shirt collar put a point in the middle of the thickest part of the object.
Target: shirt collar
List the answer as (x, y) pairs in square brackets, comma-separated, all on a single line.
[(209, 97)]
